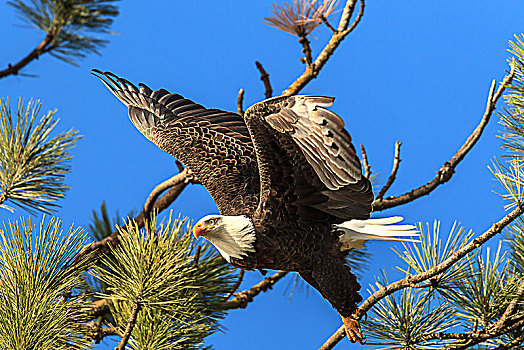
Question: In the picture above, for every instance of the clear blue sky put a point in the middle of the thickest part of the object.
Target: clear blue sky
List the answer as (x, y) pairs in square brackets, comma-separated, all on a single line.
[(414, 71)]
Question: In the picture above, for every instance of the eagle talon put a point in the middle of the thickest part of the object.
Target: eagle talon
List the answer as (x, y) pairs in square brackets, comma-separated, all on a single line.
[(353, 329)]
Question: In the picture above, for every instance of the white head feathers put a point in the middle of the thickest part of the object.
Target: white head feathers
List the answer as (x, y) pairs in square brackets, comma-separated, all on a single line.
[(233, 236)]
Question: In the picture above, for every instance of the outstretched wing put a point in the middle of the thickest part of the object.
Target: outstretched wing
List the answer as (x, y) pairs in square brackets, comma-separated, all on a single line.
[(214, 144), (306, 158)]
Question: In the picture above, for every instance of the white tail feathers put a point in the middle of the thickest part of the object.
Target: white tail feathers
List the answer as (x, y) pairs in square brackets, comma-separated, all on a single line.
[(356, 232)]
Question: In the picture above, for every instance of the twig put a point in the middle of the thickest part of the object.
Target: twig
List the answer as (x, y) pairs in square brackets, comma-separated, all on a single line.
[(197, 255), (365, 164), (447, 170), (130, 323), (43, 47), (312, 71), (326, 22), (393, 176), (423, 276), (161, 204), (306, 49), (243, 298), (237, 284), (264, 76), (240, 102)]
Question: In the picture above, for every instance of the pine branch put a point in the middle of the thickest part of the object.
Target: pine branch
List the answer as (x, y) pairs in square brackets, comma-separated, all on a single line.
[(130, 323), (393, 176), (33, 165), (43, 47), (243, 298), (314, 69), (68, 24), (426, 275), (447, 170)]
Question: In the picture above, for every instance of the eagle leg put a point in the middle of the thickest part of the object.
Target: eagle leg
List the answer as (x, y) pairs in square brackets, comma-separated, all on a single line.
[(352, 329)]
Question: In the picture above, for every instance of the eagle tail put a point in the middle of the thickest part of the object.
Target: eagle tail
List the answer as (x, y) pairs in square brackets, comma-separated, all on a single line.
[(356, 232)]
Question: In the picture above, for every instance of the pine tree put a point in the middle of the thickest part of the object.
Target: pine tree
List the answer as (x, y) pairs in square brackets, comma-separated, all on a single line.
[(145, 281)]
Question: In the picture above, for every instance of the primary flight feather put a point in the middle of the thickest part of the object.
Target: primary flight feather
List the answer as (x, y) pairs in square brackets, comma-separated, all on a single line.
[(286, 180)]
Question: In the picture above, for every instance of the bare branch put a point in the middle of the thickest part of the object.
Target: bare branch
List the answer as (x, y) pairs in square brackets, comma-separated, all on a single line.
[(264, 76), (43, 47), (313, 69), (237, 284), (306, 49), (161, 204), (157, 191), (197, 255), (243, 298), (240, 102), (447, 170), (365, 164), (393, 176), (423, 276), (346, 15), (326, 22)]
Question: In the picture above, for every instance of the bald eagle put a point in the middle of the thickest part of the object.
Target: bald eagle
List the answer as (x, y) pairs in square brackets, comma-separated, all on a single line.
[(286, 180)]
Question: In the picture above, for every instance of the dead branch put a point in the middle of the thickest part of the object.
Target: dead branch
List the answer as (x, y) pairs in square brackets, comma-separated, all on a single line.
[(45, 46), (393, 176), (306, 50), (326, 22), (169, 183), (447, 170), (197, 255), (243, 298), (264, 76), (312, 70), (365, 164), (240, 102), (237, 283), (161, 204), (423, 276)]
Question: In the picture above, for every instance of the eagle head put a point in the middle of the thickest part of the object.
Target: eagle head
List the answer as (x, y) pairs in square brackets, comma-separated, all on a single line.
[(233, 236)]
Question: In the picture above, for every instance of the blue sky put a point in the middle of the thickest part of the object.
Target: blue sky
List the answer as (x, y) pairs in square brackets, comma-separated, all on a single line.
[(414, 71)]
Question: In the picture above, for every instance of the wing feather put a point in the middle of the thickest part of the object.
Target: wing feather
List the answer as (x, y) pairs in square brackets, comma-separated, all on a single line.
[(214, 144), (319, 152)]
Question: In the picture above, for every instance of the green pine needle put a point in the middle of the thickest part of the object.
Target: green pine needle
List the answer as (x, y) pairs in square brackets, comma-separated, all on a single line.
[(181, 302), (400, 321), (431, 251), (32, 163), (74, 25), (38, 305)]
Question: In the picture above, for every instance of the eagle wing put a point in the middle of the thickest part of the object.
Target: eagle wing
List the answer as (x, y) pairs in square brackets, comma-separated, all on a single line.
[(214, 144), (306, 159)]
